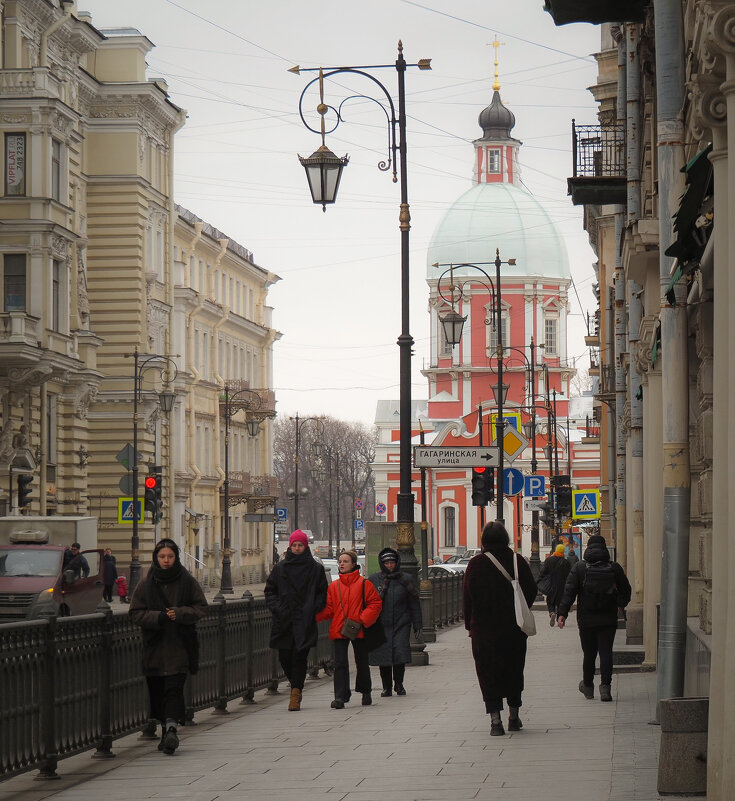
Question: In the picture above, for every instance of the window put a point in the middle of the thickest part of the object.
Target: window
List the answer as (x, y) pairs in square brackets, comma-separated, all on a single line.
[(449, 519), (493, 161), (56, 169), (14, 282), (56, 296), (15, 164), (551, 336), (445, 349), (492, 335), (51, 428)]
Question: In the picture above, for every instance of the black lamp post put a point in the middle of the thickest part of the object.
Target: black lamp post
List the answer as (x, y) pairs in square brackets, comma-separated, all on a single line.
[(323, 172), (234, 402), (166, 399), (296, 493)]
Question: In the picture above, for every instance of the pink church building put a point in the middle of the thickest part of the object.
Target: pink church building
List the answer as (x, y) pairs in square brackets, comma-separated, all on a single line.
[(496, 214)]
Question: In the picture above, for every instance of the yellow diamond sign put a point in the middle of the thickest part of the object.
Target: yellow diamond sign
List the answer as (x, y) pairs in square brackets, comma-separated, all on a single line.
[(514, 443)]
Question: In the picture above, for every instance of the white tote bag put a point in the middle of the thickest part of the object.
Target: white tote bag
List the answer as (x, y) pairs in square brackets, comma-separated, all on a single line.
[(524, 616)]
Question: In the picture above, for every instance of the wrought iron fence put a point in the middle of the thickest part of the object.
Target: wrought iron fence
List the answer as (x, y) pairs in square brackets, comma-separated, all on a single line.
[(69, 685), (598, 150)]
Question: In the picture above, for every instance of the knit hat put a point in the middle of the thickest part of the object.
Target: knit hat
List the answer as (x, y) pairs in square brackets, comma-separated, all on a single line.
[(388, 555), (298, 536), (559, 550), (596, 539)]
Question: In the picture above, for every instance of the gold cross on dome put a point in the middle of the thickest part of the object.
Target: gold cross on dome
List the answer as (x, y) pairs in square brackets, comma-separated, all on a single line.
[(496, 44)]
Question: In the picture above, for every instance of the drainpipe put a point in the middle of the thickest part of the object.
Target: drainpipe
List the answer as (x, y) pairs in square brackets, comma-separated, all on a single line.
[(635, 313), (670, 89), (43, 46)]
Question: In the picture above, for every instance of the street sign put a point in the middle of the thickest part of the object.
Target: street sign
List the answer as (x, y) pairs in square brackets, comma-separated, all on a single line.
[(359, 504), (534, 504), (358, 514), (512, 481), (380, 509), (359, 525), (448, 456), (281, 528), (535, 486), (512, 420), (125, 510), (514, 443), (585, 504), (281, 514), (125, 457), (126, 484)]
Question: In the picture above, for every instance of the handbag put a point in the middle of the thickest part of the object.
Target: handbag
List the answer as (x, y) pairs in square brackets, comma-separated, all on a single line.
[(545, 584), (350, 628), (524, 617), (374, 635)]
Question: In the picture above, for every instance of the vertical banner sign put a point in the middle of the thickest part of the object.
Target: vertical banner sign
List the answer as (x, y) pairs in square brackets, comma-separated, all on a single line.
[(15, 164)]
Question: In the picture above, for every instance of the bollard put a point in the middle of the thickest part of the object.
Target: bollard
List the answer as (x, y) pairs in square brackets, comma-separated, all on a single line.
[(682, 763)]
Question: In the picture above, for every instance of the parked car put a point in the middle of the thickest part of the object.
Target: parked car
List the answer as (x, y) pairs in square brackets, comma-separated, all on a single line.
[(331, 566), (437, 571)]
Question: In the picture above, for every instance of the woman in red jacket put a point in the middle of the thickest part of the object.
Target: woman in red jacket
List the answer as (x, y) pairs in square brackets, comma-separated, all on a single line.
[(345, 601)]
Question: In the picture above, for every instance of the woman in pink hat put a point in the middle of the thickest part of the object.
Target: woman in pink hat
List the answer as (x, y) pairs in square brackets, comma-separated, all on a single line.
[(294, 592)]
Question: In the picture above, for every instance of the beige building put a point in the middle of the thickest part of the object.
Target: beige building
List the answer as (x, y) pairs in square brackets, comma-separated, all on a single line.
[(98, 264)]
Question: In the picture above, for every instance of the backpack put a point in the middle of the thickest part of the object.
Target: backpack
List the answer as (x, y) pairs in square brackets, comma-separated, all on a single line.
[(599, 587)]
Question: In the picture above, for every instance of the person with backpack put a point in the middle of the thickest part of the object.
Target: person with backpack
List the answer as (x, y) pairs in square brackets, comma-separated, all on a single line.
[(600, 588), (551, 580)]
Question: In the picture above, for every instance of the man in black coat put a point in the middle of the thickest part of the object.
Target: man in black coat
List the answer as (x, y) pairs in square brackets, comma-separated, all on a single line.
[(294, 592), (600, 588), (557, 568)]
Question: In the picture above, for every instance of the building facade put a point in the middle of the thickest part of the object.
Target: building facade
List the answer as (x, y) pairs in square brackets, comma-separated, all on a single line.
[(98, 264)]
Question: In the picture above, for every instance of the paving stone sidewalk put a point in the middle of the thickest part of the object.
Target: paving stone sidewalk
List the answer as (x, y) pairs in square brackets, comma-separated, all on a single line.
[(431, 745)]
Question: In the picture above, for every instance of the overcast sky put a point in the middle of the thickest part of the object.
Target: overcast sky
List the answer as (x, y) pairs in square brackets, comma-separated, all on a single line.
[(338, 303)]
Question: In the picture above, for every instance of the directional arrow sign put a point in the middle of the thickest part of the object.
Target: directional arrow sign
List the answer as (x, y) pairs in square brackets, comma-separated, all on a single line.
[(448, 456)]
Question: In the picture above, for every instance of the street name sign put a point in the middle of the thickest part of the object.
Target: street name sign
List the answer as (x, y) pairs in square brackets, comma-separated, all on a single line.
[(450, 456), (534, 504)]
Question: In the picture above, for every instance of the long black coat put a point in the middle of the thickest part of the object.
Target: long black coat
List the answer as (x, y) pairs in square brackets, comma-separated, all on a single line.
[(294, 592), (498, 644), (401, 611), (558, 568), (109, 569)]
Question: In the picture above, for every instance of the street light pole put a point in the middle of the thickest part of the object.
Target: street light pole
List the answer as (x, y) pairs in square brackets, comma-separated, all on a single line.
[(300, 423), (535, 560), (500, 425)]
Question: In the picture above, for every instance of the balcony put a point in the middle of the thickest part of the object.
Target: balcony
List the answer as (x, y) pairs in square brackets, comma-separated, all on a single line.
[(606, 390), (263, 492), (592, 338), (596, 11), (598, 170), (592, 430)]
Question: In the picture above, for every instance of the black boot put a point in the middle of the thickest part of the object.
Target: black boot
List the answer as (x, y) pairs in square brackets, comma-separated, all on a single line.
[(400, 689)]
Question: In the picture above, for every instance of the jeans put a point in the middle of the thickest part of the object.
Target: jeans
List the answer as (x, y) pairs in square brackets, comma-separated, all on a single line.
[(166, 694), (294, 666), (597, 640), (363, 682)]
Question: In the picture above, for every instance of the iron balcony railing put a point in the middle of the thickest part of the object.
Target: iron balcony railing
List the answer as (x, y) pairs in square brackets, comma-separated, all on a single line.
[(598, 151)]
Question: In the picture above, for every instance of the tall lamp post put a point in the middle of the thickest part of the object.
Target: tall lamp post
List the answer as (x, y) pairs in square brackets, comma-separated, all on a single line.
[(324, 170), (453, 324), (233, 402), (166, 368), (296, 493)]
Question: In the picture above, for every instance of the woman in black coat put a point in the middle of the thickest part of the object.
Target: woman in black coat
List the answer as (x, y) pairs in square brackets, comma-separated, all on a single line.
[(498, 644), (294, 592), (401, 612), (109, 574), (557, 568), (166, 605)]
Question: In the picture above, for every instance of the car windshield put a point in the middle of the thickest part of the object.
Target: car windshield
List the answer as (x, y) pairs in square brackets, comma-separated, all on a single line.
[(31, 562)]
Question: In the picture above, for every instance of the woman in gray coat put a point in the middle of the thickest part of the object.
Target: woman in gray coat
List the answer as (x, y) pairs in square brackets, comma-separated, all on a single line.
[(401, 611), (166, 605)]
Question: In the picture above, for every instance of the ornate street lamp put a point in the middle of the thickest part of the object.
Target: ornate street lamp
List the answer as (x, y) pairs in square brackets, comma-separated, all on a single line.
[(233, 402), (296, 493), (167, 370), (397, 159)]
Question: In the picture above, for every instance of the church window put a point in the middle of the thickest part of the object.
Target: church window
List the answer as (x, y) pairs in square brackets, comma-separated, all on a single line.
[(449, 513), (493, 161), (551, 336)]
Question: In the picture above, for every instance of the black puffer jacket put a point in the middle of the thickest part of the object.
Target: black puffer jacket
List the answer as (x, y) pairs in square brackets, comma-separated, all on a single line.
[(401, 611), (587, 618)]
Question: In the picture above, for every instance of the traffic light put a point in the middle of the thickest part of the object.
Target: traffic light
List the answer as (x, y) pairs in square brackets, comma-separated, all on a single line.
[(547, 514), (153, 495), (482, 486), (563, 487), (24, 489)]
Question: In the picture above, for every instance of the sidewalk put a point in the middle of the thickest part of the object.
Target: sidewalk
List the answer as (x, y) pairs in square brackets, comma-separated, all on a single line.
[(431, 745)]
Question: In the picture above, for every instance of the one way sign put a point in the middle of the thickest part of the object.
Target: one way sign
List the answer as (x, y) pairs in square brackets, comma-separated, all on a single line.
[(586, 504)]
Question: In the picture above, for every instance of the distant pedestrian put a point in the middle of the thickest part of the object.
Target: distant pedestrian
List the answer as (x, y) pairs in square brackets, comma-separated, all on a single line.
[(600, 588), (295, 591), (498, 644), (345, 605), (553, 574), (166, 605), (400, 613), (109, 574), (122, 589), (572, 557), (76, 561)]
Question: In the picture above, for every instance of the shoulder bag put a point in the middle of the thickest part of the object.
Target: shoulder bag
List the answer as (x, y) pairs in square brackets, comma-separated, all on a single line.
[(350, 628), (524, 617)]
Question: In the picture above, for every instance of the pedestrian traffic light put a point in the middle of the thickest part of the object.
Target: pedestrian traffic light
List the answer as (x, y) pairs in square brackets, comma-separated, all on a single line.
[(563, 489), (24, 489), (546, 515), (482, 486), (153, 496)]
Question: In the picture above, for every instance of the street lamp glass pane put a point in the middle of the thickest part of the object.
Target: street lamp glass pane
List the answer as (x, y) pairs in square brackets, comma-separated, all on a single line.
[(453, 324), (494, 388), (166, 399), (253, 427)]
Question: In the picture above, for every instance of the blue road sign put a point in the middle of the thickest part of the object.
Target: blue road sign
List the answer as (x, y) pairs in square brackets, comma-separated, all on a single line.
[(512, 481), (359, 525), (281, 514), (535, 486)]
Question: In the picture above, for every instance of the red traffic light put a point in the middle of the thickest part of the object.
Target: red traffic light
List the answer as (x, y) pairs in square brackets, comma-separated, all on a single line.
[(479, 469), (150, 482)]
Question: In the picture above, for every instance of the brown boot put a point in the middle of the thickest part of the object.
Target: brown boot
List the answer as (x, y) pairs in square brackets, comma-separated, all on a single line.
[(294, 704)]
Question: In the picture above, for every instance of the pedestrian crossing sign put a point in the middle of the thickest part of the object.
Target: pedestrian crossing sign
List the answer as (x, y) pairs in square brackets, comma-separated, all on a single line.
[(586, 504), (125, 510)]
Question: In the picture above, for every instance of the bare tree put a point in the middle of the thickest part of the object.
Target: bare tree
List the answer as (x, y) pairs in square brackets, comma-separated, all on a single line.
[(333, 455), (580, 383)]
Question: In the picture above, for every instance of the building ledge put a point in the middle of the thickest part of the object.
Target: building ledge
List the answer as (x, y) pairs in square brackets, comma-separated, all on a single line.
[(564, 12)]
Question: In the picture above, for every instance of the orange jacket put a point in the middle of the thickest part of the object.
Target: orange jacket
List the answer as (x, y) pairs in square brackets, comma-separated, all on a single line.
[(349, 586)]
